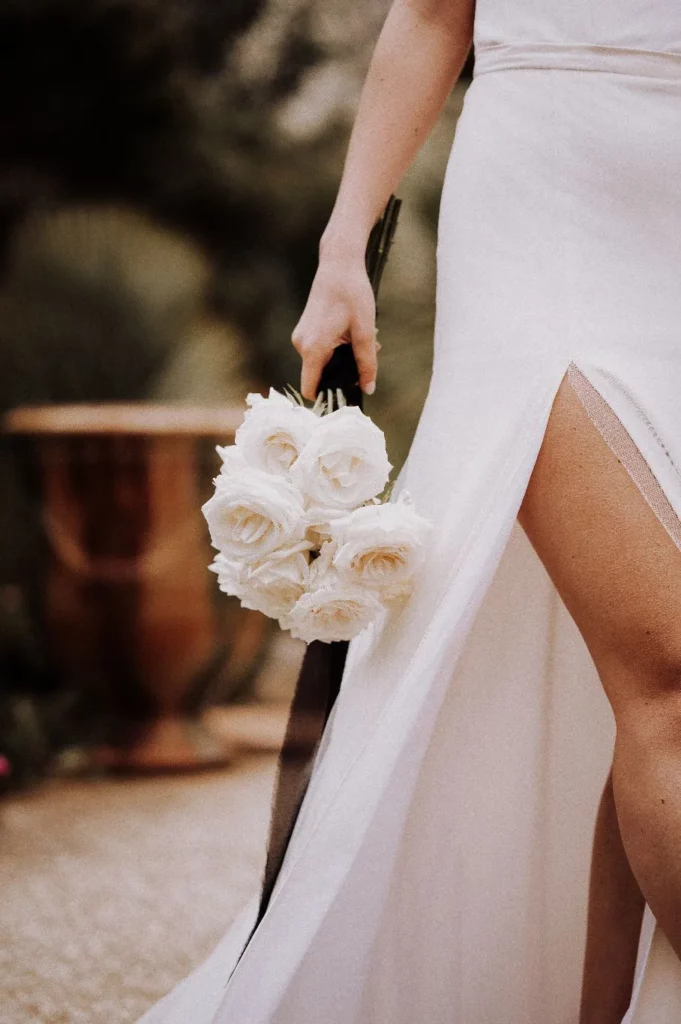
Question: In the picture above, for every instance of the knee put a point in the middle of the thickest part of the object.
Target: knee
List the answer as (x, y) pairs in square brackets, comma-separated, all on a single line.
[(643, 670)]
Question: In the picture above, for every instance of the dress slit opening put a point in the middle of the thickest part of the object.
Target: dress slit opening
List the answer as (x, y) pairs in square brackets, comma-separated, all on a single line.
[(403, 818), (622, 445)]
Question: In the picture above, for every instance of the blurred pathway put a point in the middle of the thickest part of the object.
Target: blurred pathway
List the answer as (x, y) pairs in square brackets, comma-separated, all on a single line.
[(110, 891)]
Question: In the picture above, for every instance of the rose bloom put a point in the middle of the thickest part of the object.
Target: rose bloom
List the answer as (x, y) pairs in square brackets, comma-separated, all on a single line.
[(337, 610), (253, 513), (271, 586), (344, 463), (319, 522), (274, 432), (381, 546), (233, 461)]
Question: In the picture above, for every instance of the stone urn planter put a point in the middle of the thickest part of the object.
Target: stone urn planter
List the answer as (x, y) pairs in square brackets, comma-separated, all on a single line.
[(131, 613)]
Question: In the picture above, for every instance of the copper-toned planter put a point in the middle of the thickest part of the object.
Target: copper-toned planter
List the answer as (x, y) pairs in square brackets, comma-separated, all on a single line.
[(130, 609)]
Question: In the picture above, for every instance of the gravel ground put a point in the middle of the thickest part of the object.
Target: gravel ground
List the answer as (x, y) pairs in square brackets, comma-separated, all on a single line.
[(111, 891)]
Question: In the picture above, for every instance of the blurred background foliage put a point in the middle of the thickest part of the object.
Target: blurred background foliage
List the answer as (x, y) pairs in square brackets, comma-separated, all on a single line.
[(166, 170)]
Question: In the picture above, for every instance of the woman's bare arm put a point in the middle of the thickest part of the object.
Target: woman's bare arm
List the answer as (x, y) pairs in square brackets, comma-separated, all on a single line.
[(419, 56)]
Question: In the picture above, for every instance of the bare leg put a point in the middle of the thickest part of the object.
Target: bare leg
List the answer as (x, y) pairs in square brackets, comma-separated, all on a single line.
[(619, 574), (615, 915)]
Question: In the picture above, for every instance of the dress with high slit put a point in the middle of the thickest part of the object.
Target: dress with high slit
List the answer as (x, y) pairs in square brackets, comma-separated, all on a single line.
[(438, 871)]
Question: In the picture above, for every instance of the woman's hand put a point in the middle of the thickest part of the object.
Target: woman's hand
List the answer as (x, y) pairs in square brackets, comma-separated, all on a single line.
[(340, 309)]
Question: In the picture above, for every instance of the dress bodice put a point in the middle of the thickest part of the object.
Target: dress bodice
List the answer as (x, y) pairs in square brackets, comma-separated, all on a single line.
[(635, 24)]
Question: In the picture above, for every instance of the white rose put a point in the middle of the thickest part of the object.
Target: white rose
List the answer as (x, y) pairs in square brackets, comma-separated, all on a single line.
[(322, 572), (233, 461), (253, 513), (274, 432), (319, 522), (271, 586), (283, 577), (381, 546), (335, 610), (344, 463)]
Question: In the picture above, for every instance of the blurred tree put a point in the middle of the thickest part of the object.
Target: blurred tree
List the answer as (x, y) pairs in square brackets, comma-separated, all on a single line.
[(222, 120), (226, 119), (147, 103)]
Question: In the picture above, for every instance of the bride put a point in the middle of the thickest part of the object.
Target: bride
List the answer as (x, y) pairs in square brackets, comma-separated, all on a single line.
[(439, 869)]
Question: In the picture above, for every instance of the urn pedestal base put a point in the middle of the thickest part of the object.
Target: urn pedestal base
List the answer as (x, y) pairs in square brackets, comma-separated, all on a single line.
[(133, 619), (169, 744)]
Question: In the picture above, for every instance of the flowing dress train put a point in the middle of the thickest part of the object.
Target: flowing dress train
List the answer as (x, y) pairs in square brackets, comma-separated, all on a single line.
[(438, 871)]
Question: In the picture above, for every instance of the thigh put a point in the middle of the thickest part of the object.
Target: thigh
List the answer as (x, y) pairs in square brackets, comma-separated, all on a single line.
[(614, 564)]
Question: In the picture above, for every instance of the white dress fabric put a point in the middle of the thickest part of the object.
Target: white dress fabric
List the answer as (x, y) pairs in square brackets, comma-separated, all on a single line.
[(438, 871)]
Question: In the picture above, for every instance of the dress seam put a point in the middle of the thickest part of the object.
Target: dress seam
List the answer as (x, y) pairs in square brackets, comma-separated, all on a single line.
[(540, 56)]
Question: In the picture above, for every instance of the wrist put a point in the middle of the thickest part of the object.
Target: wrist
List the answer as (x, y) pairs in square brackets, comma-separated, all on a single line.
[(348, 246), (347, 233)]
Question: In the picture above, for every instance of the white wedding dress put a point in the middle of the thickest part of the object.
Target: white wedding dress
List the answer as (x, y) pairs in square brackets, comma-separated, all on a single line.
[(438, 871)]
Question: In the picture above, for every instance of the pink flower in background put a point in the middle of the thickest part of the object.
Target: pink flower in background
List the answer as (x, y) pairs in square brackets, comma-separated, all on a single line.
[(5, 767)]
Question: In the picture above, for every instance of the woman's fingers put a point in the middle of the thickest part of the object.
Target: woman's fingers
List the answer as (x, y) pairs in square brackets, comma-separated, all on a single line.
[(314, 361), (364, 347), (334, 316), (315, 354)]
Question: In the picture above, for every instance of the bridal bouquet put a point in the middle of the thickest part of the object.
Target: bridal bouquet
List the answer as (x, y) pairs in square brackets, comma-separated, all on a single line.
[(302, 521)]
